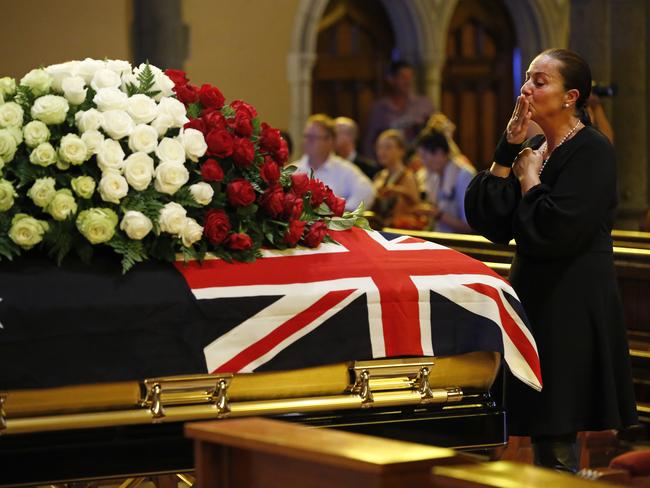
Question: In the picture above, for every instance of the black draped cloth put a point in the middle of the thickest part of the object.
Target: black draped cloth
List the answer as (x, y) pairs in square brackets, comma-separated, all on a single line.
[(564, 276)]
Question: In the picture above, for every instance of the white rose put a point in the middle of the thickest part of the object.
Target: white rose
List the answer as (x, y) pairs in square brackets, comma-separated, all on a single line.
[(170, 150), (62, 165), (110, 156), (35, 133), (113, 187), (105, 78), (62, 205), (138, 170), (202, 193), (172, 218), (83, 186), (26, 231), (110, 99), (88, 67), (136, 225), (7, 86), (162, 123), (142, 109), (7, 145), (38, 81), (59, 72), (170, 177), (144, 138), (119, 66), (117, 124), (2, 164), (43, 155), (50, 109), (73, 149), (175, 109), (11, 115), (194, 143), (88, 119), (97, 224), (74, 89), (17, 134), (191, 232), (42, 191), (93, 140), (7, 195)]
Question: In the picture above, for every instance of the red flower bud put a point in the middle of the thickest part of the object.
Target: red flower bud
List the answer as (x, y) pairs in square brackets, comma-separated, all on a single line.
[(243, 152), (272, 201), (211, 171), (299, 183), (240, 242), (294, 232), (216, 226), (211, 97), (315, 234), (220, 143), (240, 193), (187, 93), (179, 77), (270, 171)]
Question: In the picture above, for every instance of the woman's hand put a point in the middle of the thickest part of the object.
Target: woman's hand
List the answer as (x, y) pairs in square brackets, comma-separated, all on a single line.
[(518, 123), (527, 167)]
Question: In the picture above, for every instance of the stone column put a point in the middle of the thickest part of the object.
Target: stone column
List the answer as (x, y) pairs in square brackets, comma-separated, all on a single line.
[(629, 69), (159, 34)]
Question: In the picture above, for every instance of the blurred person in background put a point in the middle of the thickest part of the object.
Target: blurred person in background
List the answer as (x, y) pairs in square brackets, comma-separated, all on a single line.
[(343, 177), (347, 133)]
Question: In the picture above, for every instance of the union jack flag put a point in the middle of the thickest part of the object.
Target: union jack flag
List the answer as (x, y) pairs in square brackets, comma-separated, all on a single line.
[(371, 295)]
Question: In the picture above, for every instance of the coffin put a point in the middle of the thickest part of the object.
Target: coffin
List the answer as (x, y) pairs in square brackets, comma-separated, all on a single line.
[(96, 365)]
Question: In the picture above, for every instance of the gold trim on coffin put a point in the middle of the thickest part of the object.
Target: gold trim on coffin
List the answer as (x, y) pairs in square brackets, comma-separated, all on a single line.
[(361, 384)]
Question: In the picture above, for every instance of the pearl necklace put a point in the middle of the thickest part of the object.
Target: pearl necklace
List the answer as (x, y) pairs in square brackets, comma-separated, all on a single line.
[(544, 146)]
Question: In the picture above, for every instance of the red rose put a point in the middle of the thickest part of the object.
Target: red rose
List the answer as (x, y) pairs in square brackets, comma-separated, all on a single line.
[(318, 191), (216, 226), (187, 93), (282, 154), (211, 97), (240, 193), (211, 171), (270, 139), (240, 242), (197, 124), (294, 232), (292, 206), (214, 120), (270, 171), (272, 201), (241, 124), (299, 183), (315, 234), (243, 152), (177, 76), (336, 204), (220, 143), (241, 106)]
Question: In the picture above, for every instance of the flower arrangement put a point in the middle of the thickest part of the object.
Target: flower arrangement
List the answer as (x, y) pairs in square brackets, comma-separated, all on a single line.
[(97, 153)]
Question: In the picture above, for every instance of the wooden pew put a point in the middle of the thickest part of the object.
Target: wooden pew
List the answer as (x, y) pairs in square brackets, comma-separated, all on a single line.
[(259, 452), (632, 263)]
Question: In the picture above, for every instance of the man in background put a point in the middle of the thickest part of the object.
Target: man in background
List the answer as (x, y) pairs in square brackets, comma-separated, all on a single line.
[(347, 132), (343, 177)]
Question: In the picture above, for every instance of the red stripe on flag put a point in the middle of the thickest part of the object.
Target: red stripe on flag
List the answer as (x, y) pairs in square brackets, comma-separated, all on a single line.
[(511, 328), (287, 329)]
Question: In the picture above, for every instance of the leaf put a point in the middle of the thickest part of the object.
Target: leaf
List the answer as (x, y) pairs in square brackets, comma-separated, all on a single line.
[(145, 201), (227, 111), (338, 223), (132, 251), (59, 239), (24, 97), (247, 211), (184, 197), (363, 223), (193, 110)]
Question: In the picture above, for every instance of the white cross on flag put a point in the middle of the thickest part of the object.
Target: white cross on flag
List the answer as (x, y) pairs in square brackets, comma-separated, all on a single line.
[(412, 298)]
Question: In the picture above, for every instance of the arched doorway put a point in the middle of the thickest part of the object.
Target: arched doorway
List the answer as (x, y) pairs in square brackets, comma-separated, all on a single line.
[(477, 87), (354, 46)]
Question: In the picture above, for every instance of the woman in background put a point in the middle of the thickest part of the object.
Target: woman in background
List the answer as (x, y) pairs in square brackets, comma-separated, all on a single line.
[(395, 185)]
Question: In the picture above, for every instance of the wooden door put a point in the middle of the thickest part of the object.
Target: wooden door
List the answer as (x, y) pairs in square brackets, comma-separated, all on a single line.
[(355, 41), (477, 87)]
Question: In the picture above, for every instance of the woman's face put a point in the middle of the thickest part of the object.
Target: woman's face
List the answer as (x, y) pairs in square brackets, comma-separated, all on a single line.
[(388, 151), (544, 88)]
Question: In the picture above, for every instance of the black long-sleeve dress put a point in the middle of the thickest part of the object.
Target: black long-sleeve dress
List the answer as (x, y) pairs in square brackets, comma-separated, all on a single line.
[(564, 275)]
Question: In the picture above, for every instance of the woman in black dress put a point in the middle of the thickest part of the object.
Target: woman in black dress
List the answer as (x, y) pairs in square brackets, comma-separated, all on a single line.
[(556, 195)]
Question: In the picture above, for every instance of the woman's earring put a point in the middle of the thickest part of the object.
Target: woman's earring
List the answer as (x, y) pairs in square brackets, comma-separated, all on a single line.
[(566, 105)]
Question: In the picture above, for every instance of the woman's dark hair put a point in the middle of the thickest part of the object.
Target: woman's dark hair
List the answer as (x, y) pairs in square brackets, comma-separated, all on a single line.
[(396, 66), (577, 75), (432, 140)]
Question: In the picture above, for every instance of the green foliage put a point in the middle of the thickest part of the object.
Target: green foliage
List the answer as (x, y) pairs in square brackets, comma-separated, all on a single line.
[(24, 97), (146, 81), (193, 110), (132, 251), (146, 201), (184, 197), (58, 239), (227, 111)]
